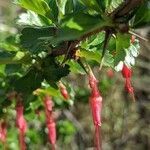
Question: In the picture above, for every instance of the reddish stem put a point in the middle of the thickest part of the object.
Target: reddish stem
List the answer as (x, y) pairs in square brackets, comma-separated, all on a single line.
[(22, 140), (98, 142)]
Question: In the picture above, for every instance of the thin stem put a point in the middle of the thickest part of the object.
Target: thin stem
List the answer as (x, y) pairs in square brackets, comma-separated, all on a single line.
[(98, 142), (139, 36), (89, 69), (67, 53), (53, 147), (106, 41), (133, 97), (21, 140)]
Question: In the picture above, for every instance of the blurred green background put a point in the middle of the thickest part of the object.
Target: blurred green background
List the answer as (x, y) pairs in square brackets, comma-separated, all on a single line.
[(126, 125)]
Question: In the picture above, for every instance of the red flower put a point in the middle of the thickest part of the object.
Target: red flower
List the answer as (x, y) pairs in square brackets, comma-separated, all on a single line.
[(96, 107), (52, 132), (126, 72), (63, 91), (21, 124), (3, 131), (48, 103), (95, 100), (20, 120), (50, 123)]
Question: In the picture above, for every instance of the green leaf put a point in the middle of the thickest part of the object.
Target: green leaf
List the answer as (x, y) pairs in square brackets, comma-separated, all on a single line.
[(45, 21), (9, 44), (142, 17), (108, 5), (38, 6), (52, 71), (62, 5), (90, 55), (5, 103), (31, 19), (33, 39), (76, 25), (75, 67), (29, 82), (2, 71), (93, 40), (92, 4), (111, 5), (97, 39), (50, 91), (6, 57), (112, 45), (54, 10), (12, 68), (131, 53), (14, 58), (69, 6), (105, 3), (67, 130), (108, 60), (122, 42)]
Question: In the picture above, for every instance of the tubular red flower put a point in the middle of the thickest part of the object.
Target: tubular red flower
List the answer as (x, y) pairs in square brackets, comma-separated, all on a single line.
[(50, 123), (20, 120), (52, 132), (95, 100), (3, 131), (126, 72), (63, 91), (21, 124), (96, 107), (48, 103)]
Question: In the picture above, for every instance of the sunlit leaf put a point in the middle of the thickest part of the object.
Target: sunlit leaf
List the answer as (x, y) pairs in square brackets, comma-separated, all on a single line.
[(122, 42)]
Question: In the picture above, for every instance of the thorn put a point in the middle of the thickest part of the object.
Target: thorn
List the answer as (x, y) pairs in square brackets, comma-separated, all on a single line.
[(108, 35)]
